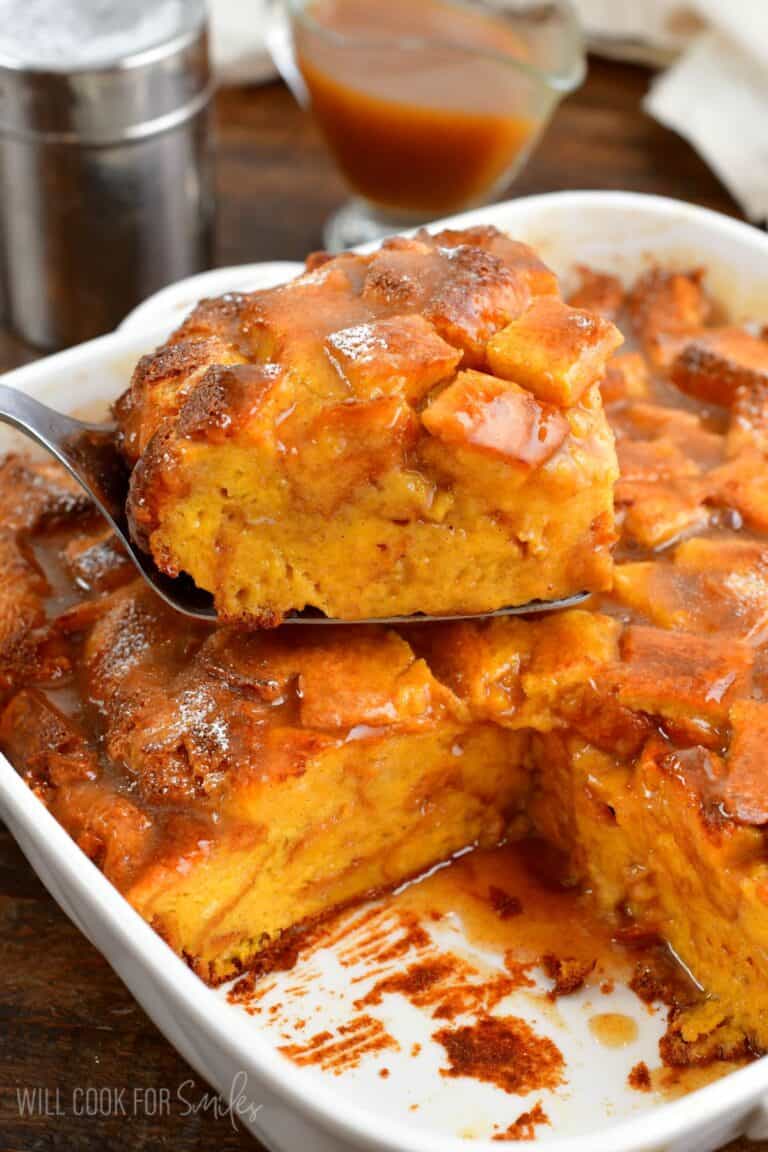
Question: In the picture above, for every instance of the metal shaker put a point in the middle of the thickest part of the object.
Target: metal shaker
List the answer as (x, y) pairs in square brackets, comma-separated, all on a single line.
[(105, 175)]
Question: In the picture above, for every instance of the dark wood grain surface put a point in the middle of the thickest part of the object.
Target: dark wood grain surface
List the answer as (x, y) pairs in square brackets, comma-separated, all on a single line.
[(66, 1022)]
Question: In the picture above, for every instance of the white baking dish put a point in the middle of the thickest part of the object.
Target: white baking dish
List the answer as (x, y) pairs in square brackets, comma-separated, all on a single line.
[(294, 1107)]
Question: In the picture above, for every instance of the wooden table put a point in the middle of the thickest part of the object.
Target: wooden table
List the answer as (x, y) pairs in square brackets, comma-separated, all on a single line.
[(67, 1022)]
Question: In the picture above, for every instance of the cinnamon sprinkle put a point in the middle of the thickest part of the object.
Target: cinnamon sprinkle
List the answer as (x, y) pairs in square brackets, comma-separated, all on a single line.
[(502, 1050), (567, 972), (343, 1050), (524, 1128), (639, 1077), (449, 985)]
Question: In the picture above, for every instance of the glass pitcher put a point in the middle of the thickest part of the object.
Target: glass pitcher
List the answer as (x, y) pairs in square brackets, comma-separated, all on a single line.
[(429, 107)]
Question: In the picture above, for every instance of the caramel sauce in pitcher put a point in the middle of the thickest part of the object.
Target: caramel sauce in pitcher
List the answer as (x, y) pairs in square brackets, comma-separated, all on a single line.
[(421, 104)]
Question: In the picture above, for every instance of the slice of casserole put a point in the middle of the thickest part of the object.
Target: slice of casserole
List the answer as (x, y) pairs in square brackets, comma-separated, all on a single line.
[(418, 430), (253, 783)]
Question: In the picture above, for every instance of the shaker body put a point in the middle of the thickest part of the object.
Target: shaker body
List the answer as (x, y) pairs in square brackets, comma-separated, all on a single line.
[(106, 187), (88, 231)]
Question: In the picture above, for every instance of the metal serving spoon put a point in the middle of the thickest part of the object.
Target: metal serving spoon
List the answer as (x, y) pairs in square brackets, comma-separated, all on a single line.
[(89, 453)]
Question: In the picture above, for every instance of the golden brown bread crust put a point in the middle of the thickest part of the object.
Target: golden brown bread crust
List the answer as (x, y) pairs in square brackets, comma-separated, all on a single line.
[(598, 292), (35, 496), (161, 382), (51, 746), (186, 711), (664, 308), (718, 364), (341, 486)]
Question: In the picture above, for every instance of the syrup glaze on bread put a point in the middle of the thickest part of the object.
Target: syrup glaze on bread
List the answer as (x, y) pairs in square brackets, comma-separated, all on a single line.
[(418, 430)]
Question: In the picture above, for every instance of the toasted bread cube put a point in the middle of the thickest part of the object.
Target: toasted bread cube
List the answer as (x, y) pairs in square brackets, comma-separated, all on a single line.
[(471, 657), (515, 672), (285, 324), (742, 486), (497, 417), (666, 348), (555, 351), (22, 615), (45, 742), (566, 644), (97, 562), (598, 292), (520, 258), (372, 680), (161, 383), (217, 316), (482, 664), (650, 460), (36, 494), (482, 296), (745, 789), (685, 429), (395, 278), (402, 355), (62, 766), (467, 292), (712, 585), (594, 713), (626, 378), (650, 589), (726, 553), (679, 675), (109, 828), (727, 584), (714, 365), (655, 514), (697, 768), (664, 305), (678, 597), (569, 652)]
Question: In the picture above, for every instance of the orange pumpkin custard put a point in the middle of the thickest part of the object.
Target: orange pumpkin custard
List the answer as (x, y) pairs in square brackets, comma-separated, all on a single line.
[(237, 786), (418, 430)]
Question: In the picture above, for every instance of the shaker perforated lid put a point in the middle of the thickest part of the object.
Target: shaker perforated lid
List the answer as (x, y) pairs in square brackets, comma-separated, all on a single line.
[(101, 71)]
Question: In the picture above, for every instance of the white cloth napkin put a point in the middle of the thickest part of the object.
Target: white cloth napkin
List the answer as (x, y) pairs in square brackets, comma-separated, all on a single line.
[(716, 96), (714, 93)]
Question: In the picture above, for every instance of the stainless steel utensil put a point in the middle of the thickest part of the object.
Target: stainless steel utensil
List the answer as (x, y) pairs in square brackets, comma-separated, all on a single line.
[(89, 453)]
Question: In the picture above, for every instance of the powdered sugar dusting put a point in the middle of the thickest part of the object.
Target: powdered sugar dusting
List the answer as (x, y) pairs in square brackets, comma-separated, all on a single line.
[(62, 34), (358, 343), (129, 642), (197, 715)]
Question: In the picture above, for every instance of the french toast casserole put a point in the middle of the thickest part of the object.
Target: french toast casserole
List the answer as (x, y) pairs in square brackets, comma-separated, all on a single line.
[(236, 785)]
